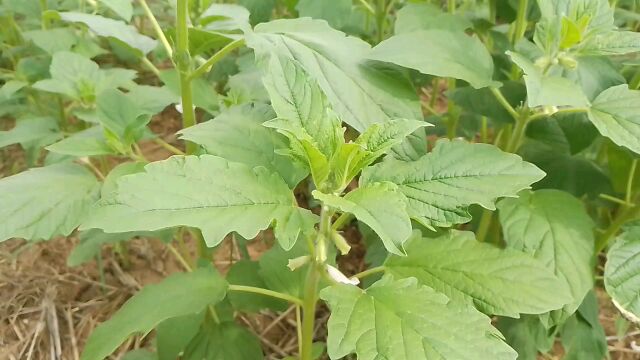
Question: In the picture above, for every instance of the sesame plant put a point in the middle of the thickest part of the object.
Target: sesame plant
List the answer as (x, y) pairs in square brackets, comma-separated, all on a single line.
[(484, 152)]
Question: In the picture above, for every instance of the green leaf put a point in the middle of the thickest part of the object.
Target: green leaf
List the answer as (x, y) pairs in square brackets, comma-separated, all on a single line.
[(260, 9), (301, 106), (113, 29), (596, 74), (238, 135), (238, 198), (622, 272), (89, 142), (11, 87), (52, 40), (225, 17), (81, 79), (44, 202), (583, 336), (401, 320), (361, 94), (441, 53), (152, 99), (548, 90), (381, 207), (246, 272), (123, 8), (140, 354), (612, 43), (527, 335), (30, 129), (616, 114), (564, 133), (224, 341), (335, 12), (497, 281), (441, 185), (154, 304), (554, 227), (121, 116), (174, 335), (110, 185), (422, 16)]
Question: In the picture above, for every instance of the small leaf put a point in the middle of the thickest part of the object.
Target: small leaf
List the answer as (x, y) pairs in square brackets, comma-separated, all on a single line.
[(554, 227), (89, 142), (174, 334), (336, 12), (238, 198), (120, 115), (402, 320), (238, 134), (123, 8), (154, 304), (113, 29), (441, 185), (381, 207), (441, 53), (424, 16), (31, 129), (622, 272), (44, 202), (548, 90), (497, 281), (52, 40), (616, 114), (224, 341)]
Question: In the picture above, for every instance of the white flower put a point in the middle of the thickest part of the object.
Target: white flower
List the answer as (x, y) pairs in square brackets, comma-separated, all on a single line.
[(338, 276)]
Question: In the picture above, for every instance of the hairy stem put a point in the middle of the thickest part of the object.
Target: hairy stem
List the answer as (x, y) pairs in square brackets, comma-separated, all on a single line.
[(311, 285), (183, 63)]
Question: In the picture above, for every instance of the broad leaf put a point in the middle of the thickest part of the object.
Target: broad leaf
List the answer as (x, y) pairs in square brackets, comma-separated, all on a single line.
[(497, 281), (154, 304), (114, 29), (361, 94), (622, 272), (583, 337), (379, 205), (527, 335), (441, 185), (616, 114), (238, 135), (423, 16), (613, 43), (152, 99), (441, 53), (224, 341), (174, 334), (402, 320), (237, 198), (44, 202), (122, 8), (554, 227), (225, 17), (31, 129), (121, 116), (548, 90)]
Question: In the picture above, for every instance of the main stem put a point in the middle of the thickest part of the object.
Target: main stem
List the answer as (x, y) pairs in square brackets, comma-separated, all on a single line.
[(311, 286), (183, 63)]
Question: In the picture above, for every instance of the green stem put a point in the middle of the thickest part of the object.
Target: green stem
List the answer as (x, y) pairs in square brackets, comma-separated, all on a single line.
[(368, 272), (341, 221), (367, 6), (484, 225), (169, 147), (43, 8), (624, 215), (517, 135), (505, 104), (215, 58), (183, 63), (156, 27), (261, 291), (311, 285), (561, 111), (150, 66), (521, 21), (632, 174)]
